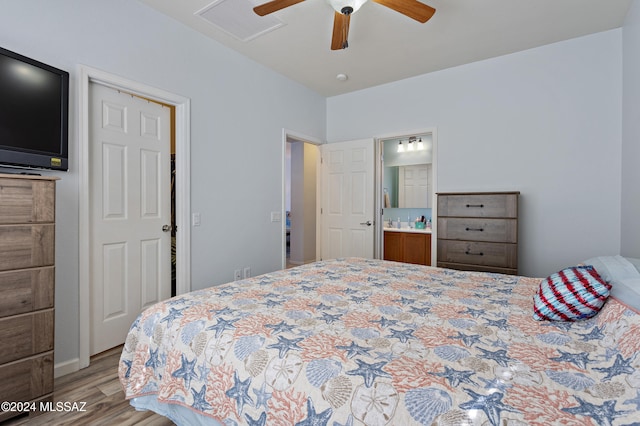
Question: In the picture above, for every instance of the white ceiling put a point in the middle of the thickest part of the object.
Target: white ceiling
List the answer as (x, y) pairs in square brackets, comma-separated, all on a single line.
[(385, 46)]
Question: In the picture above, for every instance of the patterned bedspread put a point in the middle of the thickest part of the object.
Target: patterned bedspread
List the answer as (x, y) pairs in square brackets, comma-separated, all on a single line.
[(355, 341)]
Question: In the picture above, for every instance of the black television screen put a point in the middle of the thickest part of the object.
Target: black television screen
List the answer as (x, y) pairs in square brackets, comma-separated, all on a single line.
[(34, 110)]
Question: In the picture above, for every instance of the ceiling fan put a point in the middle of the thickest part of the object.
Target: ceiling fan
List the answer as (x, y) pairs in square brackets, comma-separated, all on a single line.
[(344, 8)]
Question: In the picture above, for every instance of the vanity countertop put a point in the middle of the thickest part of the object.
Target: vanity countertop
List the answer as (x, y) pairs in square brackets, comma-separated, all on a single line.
[(407, 229)]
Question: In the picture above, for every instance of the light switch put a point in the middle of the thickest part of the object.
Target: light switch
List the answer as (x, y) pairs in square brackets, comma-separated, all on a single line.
[(276, 217), (195, 219)]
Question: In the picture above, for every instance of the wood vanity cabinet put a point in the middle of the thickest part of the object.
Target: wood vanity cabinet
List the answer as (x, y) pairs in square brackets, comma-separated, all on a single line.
[(407, 247), (27, 237), (478, 231)]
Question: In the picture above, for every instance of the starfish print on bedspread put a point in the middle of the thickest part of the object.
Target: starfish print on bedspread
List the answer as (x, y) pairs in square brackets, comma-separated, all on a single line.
[(172, 315), (127, 363), (320, 307), (153, 360), (595, 334), (491, 404), (620, 366), (580, 359), (199, 401), (456, 377), (240, 392), (330, 318), (222, 325), (313, 418), (272, 303), (354, 349), (402, 335), (499, 323), (260, 421), (284, 345), (369, 372), (281, 327), (359, 300), (186, 371), (384, 322), (420, 311), (223, 311), (262, 396), (405, 300), (476, 313), (468, 340), (602, 414), (500, 356)]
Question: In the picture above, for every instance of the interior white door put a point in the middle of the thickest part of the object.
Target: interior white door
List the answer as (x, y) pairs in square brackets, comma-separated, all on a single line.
[(348, 199), (130, 203)]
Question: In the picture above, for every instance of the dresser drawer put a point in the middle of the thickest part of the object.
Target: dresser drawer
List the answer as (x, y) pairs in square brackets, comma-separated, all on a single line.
[(28, 334), (26, 201), (26, 290), (473, 229), (26, 379), (26, 246), (503, 205), (499, 255)]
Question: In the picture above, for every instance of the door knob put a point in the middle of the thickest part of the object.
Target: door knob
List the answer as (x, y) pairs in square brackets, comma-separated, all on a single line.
[(166, 228), (368, 223)]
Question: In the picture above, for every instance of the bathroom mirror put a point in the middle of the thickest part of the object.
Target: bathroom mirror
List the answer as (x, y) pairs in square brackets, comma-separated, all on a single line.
[(407, 186)]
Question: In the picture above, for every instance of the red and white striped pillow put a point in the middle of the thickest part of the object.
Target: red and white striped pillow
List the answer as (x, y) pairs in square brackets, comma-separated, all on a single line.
[(572, 294)]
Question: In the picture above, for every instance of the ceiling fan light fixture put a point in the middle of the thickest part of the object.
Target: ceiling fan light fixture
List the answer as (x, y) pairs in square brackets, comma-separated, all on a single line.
[(339, 5)]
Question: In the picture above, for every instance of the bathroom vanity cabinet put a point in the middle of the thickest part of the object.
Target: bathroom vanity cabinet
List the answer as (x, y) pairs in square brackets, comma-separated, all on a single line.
[(408, 246)]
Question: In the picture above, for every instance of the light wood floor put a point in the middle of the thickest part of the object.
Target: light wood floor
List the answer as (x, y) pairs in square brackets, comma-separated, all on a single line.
[(99, 387)]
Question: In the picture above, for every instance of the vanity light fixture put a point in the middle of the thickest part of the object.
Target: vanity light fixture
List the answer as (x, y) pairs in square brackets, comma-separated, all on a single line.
[(413, 144)]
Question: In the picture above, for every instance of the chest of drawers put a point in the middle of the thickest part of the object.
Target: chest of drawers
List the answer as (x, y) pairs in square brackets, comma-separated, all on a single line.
[(27, 240), (478, 231)]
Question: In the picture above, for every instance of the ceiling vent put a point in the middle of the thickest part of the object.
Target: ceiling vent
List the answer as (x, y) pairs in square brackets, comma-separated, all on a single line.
[(237, 18)]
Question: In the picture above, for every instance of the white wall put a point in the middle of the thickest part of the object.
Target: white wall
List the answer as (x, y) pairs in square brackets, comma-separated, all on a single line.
[(630, 245), (239, 109), (544, 121)]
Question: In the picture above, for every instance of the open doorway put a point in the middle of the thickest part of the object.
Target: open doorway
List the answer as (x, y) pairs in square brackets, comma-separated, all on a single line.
[(302, 159), (406, 193)]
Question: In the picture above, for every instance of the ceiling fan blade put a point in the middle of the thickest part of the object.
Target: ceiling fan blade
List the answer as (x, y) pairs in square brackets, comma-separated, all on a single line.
[(411, 8), (340, 31), (274, 6)]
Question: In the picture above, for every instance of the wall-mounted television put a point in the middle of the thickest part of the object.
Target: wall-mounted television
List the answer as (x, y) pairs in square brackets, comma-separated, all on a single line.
[(34, 113)]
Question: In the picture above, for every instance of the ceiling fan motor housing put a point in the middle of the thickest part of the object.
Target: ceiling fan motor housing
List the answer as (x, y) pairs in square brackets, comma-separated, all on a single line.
[(343, 6)]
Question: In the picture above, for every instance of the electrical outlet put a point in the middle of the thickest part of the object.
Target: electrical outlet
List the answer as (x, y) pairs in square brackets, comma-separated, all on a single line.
[(237, 274), (246, 273)]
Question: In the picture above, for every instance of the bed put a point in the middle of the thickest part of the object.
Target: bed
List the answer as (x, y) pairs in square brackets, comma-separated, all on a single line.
[(355, 341)]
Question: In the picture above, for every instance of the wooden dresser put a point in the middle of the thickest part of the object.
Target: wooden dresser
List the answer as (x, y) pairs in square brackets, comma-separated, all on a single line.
[(478, 231), (27, 239)]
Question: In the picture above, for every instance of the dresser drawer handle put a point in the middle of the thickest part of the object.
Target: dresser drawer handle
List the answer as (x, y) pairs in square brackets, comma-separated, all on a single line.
[(474, 229), (475, 205), (473, 254)]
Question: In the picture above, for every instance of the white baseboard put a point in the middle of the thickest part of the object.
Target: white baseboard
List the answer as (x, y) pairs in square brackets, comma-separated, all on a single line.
[(66, 367)]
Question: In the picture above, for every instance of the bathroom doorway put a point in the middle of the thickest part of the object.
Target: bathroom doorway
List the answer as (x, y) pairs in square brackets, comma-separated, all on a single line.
[(302, 161), (407, 182)]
